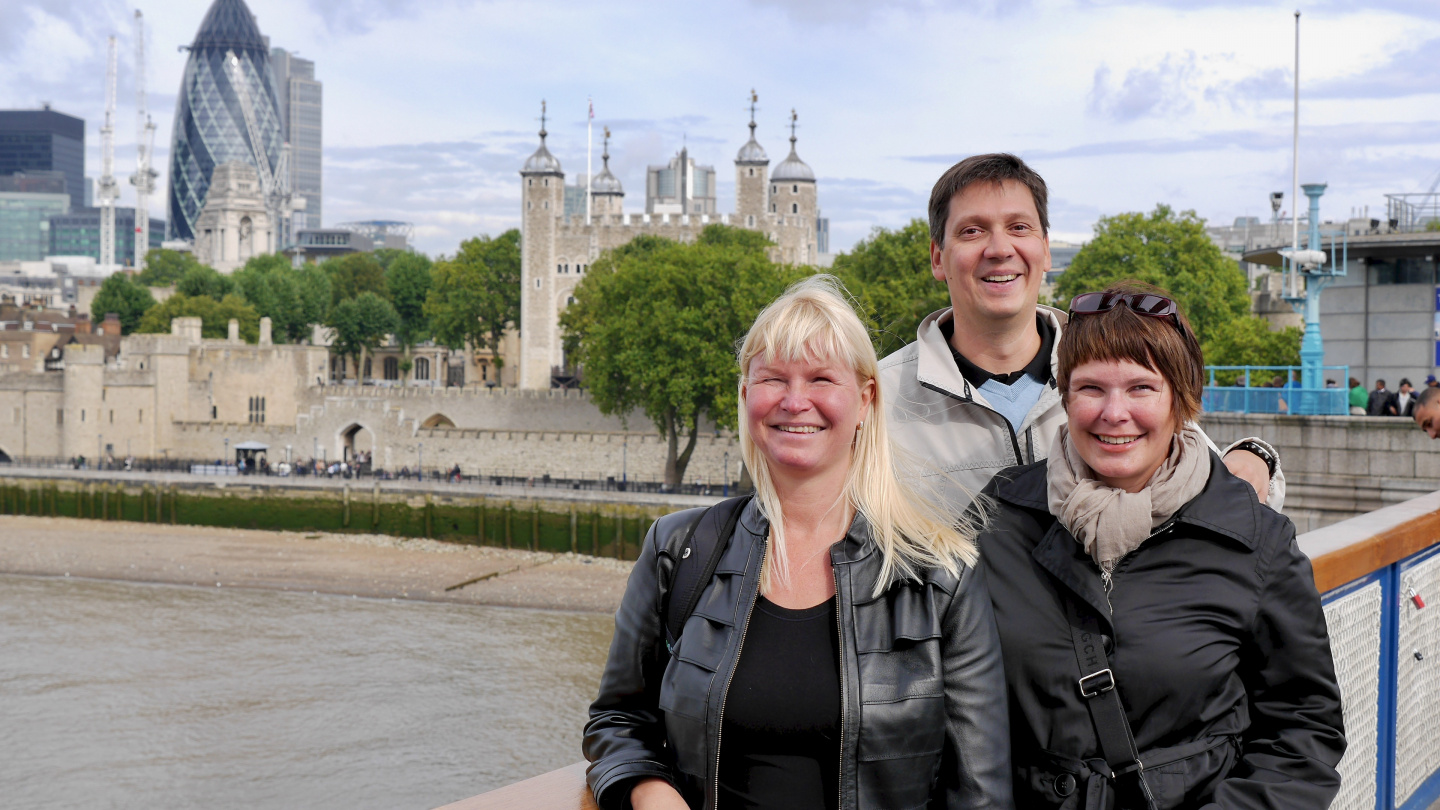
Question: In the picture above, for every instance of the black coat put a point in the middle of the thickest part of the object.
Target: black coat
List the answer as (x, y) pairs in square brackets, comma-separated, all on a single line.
[(1217, 641), (1380, 399), (923, 716)]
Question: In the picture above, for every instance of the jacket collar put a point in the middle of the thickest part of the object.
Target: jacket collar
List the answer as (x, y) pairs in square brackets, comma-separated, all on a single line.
[(856, 545), (1227, 506), (936, 369)]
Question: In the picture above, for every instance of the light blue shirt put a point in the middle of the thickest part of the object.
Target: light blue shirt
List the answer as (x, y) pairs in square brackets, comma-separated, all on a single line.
[(1013, 401)]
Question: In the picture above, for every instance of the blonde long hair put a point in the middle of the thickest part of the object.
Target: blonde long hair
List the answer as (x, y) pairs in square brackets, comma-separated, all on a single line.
[(814, 320)]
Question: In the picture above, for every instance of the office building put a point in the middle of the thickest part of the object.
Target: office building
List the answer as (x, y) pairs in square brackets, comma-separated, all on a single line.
[(47, 141), (680, 187), (301, 122), (77, 233), (27, 203), (209, 127)]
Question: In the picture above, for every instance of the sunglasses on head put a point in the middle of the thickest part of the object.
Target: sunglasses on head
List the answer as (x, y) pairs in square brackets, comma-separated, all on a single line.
[(1147, 304)]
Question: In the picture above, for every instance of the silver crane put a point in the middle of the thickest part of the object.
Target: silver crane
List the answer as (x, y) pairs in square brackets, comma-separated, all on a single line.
[(108, 191), (144, 177)]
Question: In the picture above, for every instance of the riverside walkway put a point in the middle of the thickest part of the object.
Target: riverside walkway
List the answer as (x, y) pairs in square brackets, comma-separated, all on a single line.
[(1379, 577)]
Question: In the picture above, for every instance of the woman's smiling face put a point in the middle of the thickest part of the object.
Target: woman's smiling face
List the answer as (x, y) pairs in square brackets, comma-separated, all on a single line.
[(1120, 420), (803, 414)]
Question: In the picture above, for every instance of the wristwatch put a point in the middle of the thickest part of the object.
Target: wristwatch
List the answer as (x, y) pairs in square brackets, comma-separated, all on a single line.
[(1266, 455)]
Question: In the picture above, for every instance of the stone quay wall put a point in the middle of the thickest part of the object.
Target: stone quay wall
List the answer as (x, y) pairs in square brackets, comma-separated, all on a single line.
[(1339, 467)]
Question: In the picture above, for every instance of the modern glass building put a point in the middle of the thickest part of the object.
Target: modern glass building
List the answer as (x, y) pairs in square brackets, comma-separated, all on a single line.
[(302, 122), (78, 234), (25, 224), (45, 140), (209, 125)]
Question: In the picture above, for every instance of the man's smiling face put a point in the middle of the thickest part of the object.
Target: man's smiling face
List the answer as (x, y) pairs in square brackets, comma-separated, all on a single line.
[(995, 253)]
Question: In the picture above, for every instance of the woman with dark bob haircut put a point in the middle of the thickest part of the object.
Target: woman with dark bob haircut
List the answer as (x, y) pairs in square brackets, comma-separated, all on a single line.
[(1164, 643)]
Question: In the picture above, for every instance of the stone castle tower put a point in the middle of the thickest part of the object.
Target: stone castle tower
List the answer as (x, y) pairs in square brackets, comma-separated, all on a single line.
[(556, 250)]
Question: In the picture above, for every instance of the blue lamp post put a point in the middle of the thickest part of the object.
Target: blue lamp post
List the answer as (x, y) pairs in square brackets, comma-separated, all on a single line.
[(1312, 264)]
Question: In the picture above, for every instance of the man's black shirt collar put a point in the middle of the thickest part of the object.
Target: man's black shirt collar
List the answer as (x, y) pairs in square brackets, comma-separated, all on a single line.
[(1038, 367)]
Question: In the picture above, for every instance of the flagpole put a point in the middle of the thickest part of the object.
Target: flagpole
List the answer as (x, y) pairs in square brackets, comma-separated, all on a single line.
[(589, 156), (1295, 172)]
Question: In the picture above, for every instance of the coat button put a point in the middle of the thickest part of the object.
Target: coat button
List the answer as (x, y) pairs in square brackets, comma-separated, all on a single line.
[(1108, 642), (1065, 784)]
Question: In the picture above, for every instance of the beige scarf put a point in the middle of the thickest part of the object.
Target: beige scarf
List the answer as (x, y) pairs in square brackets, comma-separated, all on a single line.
[(1111, 522)]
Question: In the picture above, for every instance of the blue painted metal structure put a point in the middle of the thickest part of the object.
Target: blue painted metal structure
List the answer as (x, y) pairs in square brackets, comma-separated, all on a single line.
[(1312, 346), (1296, 397)]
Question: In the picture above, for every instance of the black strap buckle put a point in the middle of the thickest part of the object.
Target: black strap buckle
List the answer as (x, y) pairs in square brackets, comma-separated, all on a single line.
[(1096, 683)]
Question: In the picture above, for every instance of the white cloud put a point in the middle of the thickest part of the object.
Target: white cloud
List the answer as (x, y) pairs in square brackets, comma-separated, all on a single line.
[(431, 105)]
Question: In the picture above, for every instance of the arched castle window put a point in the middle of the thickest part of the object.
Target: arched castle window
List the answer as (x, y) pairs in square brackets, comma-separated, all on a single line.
[(547, 182), (559, 268), (752, 171), (795, 189), (750, 221), (772, 208), (537, 283), (529, 181), (529, 205), (569, 300), (774, 189), (547, 205), (794, 208), (422, 368)]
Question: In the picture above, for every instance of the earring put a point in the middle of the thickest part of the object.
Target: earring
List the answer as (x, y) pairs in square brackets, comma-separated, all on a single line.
[(860, 426)]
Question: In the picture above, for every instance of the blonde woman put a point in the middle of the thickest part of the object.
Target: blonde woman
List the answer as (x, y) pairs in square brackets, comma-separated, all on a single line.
[(843, 654)]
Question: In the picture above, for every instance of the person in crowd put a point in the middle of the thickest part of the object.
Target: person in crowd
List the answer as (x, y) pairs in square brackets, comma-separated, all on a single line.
[(1403, 403), (1330, 383), (1379, 401), (1359, 398), (1164, 642), (843, 653), (975, 393), (1427, 411)]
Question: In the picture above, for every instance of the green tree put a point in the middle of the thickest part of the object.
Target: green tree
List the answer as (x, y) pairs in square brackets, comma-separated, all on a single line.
[(654, 325), (475, 296), (293, 299), (1170, 251), (353, 274), (359, 324), (165, 267), (123, 297), (215, 316), (408, 281), (1248, 341), (201, 280), (889, 275), (387, 256)]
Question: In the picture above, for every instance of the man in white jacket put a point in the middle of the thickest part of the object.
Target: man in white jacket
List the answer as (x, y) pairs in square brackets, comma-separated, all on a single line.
[(976, 392)]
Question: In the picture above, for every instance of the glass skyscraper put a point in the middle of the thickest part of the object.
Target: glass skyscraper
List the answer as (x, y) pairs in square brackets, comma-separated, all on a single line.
[(78, 233), (209, 125), (45, 140), (302, 119)]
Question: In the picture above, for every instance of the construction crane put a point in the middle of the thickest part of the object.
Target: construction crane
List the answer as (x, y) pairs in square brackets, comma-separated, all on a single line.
[(280, 202), (144, 177), (108, 190)]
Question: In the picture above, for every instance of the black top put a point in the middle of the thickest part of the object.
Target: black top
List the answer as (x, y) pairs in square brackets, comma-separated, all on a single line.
[(780, 738), (1038, 367)]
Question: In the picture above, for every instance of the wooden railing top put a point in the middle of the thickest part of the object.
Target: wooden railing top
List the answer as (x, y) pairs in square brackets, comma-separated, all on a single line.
[(1340, 553), (564, 789), (1346, 551)]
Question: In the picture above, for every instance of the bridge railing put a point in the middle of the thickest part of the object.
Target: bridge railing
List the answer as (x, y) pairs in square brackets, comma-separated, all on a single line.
[(1379, 580)]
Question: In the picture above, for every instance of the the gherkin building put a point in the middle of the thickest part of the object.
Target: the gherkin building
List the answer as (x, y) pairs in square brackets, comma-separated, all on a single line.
[(209, 124)]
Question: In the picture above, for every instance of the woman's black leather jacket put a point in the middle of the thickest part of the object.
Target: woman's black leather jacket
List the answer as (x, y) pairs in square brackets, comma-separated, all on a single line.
[(924, 722)]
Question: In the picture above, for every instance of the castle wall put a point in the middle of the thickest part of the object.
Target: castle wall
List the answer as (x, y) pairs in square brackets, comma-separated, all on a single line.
[(29, 408)]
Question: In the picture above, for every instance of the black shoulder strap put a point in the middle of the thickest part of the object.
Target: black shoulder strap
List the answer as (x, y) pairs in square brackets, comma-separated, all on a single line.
[(695, 565), (1097, 689)]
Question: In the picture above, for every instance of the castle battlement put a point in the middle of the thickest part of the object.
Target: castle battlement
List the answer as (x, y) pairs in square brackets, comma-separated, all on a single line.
[(557, 249)]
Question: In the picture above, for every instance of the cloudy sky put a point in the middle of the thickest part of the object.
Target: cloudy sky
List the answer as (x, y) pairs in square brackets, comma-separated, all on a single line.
[(432, 105)]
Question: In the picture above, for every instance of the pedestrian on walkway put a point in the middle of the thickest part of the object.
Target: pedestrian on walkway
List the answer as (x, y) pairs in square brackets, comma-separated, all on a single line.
[(1379, 402), (1359, 397)]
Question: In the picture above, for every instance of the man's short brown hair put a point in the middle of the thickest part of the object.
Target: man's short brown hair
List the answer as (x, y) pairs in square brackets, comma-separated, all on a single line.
[(1164, 345), (993, 168)]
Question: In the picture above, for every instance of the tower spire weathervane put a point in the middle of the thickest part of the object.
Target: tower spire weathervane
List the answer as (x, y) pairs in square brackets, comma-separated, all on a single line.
[(605, 150), (754, 99), (542, 119), (793, 119)]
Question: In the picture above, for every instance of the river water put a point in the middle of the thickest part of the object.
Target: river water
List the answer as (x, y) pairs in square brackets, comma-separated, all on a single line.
[(120, 695)]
